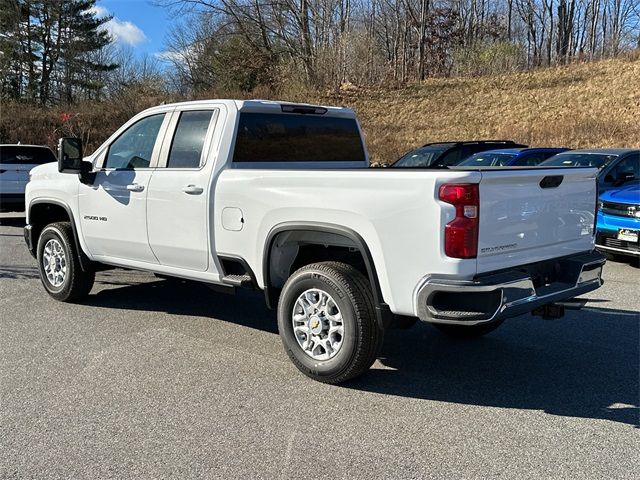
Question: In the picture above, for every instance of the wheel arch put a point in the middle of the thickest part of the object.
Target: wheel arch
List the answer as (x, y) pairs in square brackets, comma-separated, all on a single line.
[(320, 234), (42, 212)]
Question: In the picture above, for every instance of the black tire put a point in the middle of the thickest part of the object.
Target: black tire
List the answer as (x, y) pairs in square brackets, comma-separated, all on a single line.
[(77, 283), (352, 294), (467, 331)]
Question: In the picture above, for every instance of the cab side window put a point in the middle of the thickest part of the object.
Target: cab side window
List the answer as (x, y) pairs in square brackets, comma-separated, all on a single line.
[(628, 165), (188, 140), (134, 147)]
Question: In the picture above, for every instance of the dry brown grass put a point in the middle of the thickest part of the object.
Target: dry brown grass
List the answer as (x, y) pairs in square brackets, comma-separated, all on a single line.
[(583, 105), (92, 122)]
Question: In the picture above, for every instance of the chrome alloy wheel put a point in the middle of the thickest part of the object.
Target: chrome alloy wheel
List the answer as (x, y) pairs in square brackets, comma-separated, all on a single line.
[(54, 262), (317, 324)]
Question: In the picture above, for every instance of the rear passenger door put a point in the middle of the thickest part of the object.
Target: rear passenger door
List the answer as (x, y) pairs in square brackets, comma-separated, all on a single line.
[(179, 200)]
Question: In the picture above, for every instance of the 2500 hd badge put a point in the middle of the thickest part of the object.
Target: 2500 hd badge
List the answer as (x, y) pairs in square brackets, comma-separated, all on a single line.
[(95, 217)]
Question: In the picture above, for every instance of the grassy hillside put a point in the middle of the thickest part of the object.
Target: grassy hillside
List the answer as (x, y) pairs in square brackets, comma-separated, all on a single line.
[(584, 105)]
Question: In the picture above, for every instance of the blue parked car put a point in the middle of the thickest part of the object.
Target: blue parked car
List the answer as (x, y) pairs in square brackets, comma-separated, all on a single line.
[(446, 154), (618, 224), (618, 166), (511, 157)]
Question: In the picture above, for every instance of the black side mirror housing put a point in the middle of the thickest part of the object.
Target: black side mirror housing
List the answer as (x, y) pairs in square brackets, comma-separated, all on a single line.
[(70, 155), (70, 160)]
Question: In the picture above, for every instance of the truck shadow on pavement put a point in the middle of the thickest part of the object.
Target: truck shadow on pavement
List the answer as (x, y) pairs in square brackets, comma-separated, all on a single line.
[(18, 272), (584, 365), (182, 297), (13, 221)]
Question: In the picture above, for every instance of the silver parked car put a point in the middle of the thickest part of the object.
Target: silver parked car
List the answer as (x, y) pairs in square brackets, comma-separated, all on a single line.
[(15, 163)]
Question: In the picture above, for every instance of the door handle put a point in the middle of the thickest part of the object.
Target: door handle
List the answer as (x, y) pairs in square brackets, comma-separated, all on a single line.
[(193, 190), (134, 187)]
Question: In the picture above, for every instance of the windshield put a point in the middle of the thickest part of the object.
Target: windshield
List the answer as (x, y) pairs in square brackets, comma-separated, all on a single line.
[(422, 157), (488, 159), (19, 154), (597, 160)]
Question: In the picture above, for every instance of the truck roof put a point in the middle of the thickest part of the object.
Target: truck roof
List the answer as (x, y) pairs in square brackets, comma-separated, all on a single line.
[(267, 106)]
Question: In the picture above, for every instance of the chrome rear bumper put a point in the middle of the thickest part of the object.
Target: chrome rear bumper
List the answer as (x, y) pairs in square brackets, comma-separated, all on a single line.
[(508, 293)]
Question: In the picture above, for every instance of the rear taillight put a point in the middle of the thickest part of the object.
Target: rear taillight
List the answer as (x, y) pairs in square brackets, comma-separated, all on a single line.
[(461, 233)]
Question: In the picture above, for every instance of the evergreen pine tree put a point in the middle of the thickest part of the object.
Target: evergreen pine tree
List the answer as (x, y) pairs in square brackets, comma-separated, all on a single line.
[(48, 49)]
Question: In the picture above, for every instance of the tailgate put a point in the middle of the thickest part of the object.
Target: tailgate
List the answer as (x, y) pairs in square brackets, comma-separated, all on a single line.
[(528, 215)]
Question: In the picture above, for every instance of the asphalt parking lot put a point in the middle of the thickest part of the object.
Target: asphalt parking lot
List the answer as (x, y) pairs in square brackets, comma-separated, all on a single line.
[(150, 378)]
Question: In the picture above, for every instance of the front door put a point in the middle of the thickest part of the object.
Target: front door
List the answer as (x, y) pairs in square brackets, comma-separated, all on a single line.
[(179, 198), (113, 208)]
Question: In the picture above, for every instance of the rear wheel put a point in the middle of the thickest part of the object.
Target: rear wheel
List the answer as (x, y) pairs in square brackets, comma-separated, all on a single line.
[(467, 331), (327, 322), (58, 263)]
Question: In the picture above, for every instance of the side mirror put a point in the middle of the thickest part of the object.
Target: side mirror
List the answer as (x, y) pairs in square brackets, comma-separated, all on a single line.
[(70, 155)]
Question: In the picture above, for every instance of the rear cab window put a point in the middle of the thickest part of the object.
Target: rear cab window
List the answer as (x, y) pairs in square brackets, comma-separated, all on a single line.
[(25, 155), (189, 138), (296, 138)]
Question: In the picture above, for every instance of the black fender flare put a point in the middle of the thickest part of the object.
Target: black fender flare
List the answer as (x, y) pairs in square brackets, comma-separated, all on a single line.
[(383, 313), (85, 263)]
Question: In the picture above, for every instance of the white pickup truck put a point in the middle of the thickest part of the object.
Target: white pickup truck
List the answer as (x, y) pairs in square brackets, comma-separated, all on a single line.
[(279, 197)]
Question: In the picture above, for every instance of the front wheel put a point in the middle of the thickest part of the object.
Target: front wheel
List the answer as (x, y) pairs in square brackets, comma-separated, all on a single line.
[(327, 322), (59, 266), (467, 331)]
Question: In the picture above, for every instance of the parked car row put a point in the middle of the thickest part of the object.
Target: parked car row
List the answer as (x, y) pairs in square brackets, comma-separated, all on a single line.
[(618, 221)]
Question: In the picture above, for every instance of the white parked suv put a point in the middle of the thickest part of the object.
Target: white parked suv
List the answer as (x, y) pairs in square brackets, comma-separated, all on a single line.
[(15, 163), (279, 197)]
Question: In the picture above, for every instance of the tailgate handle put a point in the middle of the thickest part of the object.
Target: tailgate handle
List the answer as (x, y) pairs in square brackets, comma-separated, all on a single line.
[(551, 181)]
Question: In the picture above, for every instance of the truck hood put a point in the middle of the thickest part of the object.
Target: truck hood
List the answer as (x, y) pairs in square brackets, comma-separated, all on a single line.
[(45, 170), (629, 194)]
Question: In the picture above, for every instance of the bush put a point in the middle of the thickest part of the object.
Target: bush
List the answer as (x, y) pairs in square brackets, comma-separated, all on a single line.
[(489, 59)]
